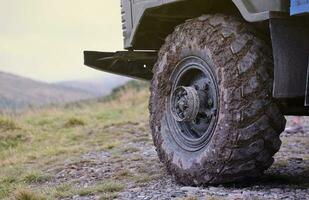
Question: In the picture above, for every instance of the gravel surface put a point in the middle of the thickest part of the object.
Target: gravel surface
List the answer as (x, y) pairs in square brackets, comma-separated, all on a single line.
[(136, 165), (288, 178)]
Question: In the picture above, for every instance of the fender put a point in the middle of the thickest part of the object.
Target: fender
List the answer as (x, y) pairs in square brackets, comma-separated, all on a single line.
[(260, 10), (143, 19)]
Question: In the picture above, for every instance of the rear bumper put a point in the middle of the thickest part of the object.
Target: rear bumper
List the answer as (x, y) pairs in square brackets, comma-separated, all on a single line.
[(134, 64)]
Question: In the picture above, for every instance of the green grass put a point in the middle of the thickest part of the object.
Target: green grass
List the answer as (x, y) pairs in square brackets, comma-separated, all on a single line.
[(35, 177), (33, 142), (11, 140), (141, 179), (62, 191)]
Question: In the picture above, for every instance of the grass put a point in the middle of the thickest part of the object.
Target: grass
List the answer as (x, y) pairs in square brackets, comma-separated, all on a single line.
[(7, 124), (111, 146), (281, 163), (123, 174), (24, 194), (106, 190), (62, 191), (11, 140), (73, 122), (136, 157), (141, 179), (35, 141), (108, 196), (130, 150), (35, 177)]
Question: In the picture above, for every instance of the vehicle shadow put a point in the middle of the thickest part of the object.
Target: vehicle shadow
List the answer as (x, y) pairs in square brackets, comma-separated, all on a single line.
[(294, 177)]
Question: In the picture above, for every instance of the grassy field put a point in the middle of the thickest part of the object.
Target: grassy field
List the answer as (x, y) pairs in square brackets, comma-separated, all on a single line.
[(102, 149), (35, 142)]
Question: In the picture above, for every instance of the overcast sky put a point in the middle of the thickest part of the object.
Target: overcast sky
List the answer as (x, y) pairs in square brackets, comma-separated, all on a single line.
[(45, 39)]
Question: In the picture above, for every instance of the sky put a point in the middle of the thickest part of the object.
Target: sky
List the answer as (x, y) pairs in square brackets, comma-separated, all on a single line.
[(45, 39)]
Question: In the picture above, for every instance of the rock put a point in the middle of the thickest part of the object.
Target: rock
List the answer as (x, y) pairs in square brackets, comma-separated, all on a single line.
[(138, 189), (191, 190)]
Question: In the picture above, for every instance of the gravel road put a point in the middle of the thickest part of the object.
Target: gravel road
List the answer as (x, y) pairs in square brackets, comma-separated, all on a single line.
[(136, 164)]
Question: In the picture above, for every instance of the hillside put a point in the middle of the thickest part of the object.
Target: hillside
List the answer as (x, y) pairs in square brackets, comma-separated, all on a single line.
[(96, 86), (102, 149), (18, 93)]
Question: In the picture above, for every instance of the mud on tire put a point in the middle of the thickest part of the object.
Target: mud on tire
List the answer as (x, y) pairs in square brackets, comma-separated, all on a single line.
[(249, 122)]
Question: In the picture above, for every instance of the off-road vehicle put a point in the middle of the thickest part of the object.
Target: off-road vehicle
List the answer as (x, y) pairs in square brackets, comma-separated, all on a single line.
[(223, 75)]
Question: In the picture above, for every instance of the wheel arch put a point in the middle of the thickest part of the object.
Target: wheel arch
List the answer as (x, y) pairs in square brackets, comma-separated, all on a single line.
[(156, 19)]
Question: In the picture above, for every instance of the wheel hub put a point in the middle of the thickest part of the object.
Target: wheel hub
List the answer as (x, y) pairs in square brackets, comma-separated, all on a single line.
[(186, 104), (193, 103), (190, 104)]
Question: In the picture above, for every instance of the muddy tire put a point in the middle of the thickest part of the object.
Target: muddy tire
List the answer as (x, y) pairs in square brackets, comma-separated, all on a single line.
[(244, 127)]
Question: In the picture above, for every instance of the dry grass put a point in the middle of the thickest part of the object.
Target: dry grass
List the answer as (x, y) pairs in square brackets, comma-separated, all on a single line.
[(35, 141), (73, 122), (123, 174), (7, 124), (24, 194), (130, 150)]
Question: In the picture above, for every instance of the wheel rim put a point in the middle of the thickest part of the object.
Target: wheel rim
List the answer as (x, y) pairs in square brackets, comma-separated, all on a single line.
[(192, 112)]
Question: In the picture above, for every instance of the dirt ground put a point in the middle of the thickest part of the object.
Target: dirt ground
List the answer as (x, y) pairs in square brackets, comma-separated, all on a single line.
[(136, 164)]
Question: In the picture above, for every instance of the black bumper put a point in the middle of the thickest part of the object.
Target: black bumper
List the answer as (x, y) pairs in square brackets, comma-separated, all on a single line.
[(134, 64)]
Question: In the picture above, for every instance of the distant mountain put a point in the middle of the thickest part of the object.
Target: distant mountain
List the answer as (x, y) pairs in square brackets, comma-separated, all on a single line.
[(18, 93), (96, 86)]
